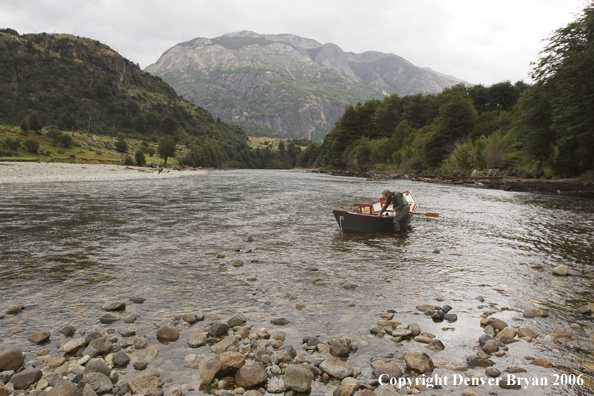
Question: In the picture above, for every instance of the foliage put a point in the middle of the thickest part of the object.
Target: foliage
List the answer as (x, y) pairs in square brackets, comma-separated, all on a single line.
[(168, 125), (24, 126), (31, 146), (363, 154), (495, 151), (128, 160), (308, 156), (140, 158), (34, 123), (166, 148), (11, 144), (564, 79), (121, 145)]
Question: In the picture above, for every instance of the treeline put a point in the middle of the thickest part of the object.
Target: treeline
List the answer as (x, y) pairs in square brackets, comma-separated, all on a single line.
[(541, 129)]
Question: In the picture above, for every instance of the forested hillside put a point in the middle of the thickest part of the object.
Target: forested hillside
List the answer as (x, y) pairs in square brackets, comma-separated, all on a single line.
[(78, 84), (546, 129)]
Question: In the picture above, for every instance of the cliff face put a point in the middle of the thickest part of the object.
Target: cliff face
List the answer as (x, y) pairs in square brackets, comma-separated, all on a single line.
[(285, 85)]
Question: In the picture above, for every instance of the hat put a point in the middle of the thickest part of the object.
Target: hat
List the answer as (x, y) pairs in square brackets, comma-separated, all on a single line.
[(385, 193)]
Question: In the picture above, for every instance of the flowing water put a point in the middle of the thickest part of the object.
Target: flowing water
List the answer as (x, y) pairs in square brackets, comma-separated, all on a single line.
[(67, 247)]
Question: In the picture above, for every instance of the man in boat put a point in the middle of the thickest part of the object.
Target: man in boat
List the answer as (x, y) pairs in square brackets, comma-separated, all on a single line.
[(401, 207)]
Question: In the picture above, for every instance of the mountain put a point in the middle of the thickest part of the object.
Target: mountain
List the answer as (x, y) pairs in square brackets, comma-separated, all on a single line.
[(284, 85), (78, 83)]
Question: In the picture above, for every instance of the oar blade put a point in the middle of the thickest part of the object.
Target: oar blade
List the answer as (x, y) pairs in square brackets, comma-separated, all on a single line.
[(427, 214)]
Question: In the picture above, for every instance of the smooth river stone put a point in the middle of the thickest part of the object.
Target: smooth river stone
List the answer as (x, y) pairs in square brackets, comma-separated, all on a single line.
[(336, 368), (113, 306)]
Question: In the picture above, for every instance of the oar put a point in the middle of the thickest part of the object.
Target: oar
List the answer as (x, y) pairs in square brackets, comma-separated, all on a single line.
[(420, 213), (426, 214)]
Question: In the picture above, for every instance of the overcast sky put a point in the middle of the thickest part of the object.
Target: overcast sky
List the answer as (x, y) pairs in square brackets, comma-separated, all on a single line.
[(482, 42)]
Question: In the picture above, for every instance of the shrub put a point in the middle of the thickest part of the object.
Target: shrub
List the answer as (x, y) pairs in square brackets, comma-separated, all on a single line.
[(128, 160), (12, 144), (121, 146), (65, 140), (140, 158), (31, 145)]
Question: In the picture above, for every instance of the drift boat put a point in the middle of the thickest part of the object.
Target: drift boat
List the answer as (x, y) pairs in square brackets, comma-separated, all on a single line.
[(365, 217)]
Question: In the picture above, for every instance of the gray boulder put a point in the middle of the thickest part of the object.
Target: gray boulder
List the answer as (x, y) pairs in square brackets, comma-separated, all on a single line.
[(298, 378), (336, 368), (26, 378), (113, 306), (250, 375), (97, 366), (99, 382), (11, 359), (384, 367), (64, 388)]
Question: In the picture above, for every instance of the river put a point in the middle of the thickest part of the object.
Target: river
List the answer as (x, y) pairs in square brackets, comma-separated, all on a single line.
[(66, 247)]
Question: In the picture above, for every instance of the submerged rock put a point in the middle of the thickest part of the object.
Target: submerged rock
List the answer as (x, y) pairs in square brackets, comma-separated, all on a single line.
[(386, 367), (340, 347), (561, 270), (68, 331), (477, 361), (418, 362), (146, 381), (535, 313), (347, 387), (15, 309), (336, 368), (168, 334), (279, 321), (218, 328), (113, 306)]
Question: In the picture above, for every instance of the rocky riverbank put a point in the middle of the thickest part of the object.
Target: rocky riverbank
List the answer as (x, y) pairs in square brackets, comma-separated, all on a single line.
[(232, 356), (570, 187), (35, 172)]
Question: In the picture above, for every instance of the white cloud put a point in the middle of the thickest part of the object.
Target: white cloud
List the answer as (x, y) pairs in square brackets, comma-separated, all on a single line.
[(480, 42)]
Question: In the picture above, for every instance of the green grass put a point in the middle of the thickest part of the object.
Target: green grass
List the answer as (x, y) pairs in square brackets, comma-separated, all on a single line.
[(86, 148)]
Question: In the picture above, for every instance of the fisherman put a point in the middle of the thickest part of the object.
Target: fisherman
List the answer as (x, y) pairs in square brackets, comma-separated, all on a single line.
[(401, 207)]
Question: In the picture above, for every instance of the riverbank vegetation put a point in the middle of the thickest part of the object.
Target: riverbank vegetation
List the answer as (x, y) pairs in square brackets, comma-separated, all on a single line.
[(544, 129)]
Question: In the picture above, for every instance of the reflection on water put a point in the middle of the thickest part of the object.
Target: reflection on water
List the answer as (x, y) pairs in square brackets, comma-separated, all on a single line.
[(64, 247)]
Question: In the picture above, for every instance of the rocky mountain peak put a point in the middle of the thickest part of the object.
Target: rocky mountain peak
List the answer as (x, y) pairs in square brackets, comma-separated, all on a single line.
[(285, 85)]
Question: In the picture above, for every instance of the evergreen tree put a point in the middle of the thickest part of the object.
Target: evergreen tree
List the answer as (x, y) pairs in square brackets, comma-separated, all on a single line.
[(24, 126), (34, 124)]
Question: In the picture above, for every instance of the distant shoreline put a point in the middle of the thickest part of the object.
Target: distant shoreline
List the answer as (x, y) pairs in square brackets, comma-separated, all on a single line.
[(571, 187), (36, 172)]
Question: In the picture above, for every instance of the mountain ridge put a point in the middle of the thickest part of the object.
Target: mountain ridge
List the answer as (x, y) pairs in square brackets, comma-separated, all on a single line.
[(284, 85)]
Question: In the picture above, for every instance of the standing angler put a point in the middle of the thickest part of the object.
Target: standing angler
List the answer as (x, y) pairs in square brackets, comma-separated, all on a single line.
[(401, 207)]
